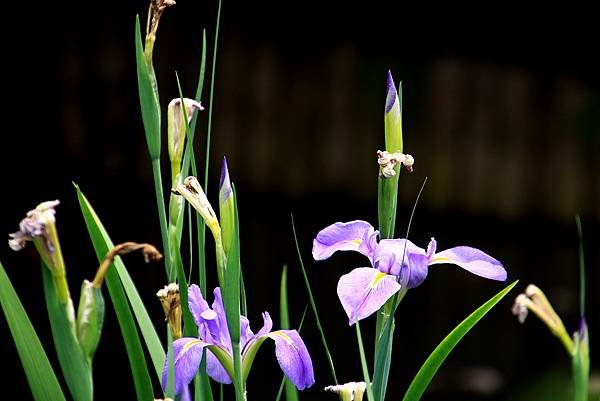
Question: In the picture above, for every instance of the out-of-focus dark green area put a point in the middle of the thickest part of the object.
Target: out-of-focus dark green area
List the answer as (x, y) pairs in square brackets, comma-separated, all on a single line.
[(501, 112)]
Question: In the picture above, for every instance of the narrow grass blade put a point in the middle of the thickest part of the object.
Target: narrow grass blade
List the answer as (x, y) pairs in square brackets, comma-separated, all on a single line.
[(363, 363), (102, 244), (212, 93), (438, 356), (76, 370), (231, 300), (313, 305), (291, 393), (188, 155), (40, 375)]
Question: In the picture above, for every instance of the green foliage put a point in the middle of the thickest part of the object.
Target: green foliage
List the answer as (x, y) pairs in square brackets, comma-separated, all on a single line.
[(75, 368), (123, 293), (438, 356), (40, 375)]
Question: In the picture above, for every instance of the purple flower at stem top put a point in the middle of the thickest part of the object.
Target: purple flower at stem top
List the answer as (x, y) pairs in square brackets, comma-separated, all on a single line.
[(213, 334), (396, 263)]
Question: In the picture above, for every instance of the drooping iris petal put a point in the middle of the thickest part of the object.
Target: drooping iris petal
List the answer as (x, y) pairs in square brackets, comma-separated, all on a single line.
[(473, 260), (215, 370), (293, 357), (357, 235), (187, 355), (364, 290), (400, 257)]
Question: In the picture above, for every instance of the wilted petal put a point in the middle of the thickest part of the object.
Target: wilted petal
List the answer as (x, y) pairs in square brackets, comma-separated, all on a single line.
[(364, 290), (187, 355), (473, 260), (357, 235), (215, 370), (293, 358)]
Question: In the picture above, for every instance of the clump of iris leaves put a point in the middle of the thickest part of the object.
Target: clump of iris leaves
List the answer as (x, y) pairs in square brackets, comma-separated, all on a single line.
[(232, 343)]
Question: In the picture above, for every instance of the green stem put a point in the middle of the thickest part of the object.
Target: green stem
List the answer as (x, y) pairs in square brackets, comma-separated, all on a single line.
[(363, 362), (162, 217)]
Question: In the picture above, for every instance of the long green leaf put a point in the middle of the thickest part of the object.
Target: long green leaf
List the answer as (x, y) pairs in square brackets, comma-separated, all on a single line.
[(77, 372), (40, 375), (102, 244), (231, 300), (291, 393), (438, 356), (313, 305)]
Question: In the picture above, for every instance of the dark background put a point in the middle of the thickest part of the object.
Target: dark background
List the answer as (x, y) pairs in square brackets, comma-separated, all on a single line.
[(501, 111)]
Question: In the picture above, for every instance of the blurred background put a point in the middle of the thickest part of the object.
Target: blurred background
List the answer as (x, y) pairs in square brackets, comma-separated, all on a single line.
[(501, 112)]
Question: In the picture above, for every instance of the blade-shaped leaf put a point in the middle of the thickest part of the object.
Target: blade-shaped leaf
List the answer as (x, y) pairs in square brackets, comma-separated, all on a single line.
[(231, 300), (438, 356), (76, 370), (291, 393), (40, 375), (102, 244)]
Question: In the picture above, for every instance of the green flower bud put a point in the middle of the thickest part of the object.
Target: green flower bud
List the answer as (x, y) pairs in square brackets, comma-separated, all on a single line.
[(226, 208), (90, 318), (176, 131)]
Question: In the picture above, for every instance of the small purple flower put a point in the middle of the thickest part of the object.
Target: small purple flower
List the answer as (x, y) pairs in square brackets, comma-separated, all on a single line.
[(213, 333), (396, 263)]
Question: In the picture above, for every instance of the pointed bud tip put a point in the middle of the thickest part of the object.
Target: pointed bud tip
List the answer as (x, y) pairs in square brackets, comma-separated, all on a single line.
[(392, 94), (224, 182)]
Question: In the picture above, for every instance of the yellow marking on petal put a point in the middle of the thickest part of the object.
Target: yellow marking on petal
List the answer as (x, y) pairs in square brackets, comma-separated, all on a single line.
[(442, 259), (356, 242), (189, 345), (377, 278), (284, 336)]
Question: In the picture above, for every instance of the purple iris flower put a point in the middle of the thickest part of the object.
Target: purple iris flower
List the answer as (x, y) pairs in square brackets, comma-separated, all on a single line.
[(213, 334), (395, 263)]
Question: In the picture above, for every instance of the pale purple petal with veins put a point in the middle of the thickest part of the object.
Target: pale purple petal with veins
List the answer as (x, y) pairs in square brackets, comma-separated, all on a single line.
[(473, 260), (357, 235), (364, 290), (293, 358), (215, 370), (187, 355)]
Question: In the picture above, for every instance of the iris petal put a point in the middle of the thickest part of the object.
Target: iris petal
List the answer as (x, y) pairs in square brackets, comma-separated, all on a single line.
[(364, 290), (472, 260), (215, 370), (357, 235), (293, 357), (188, 353)]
